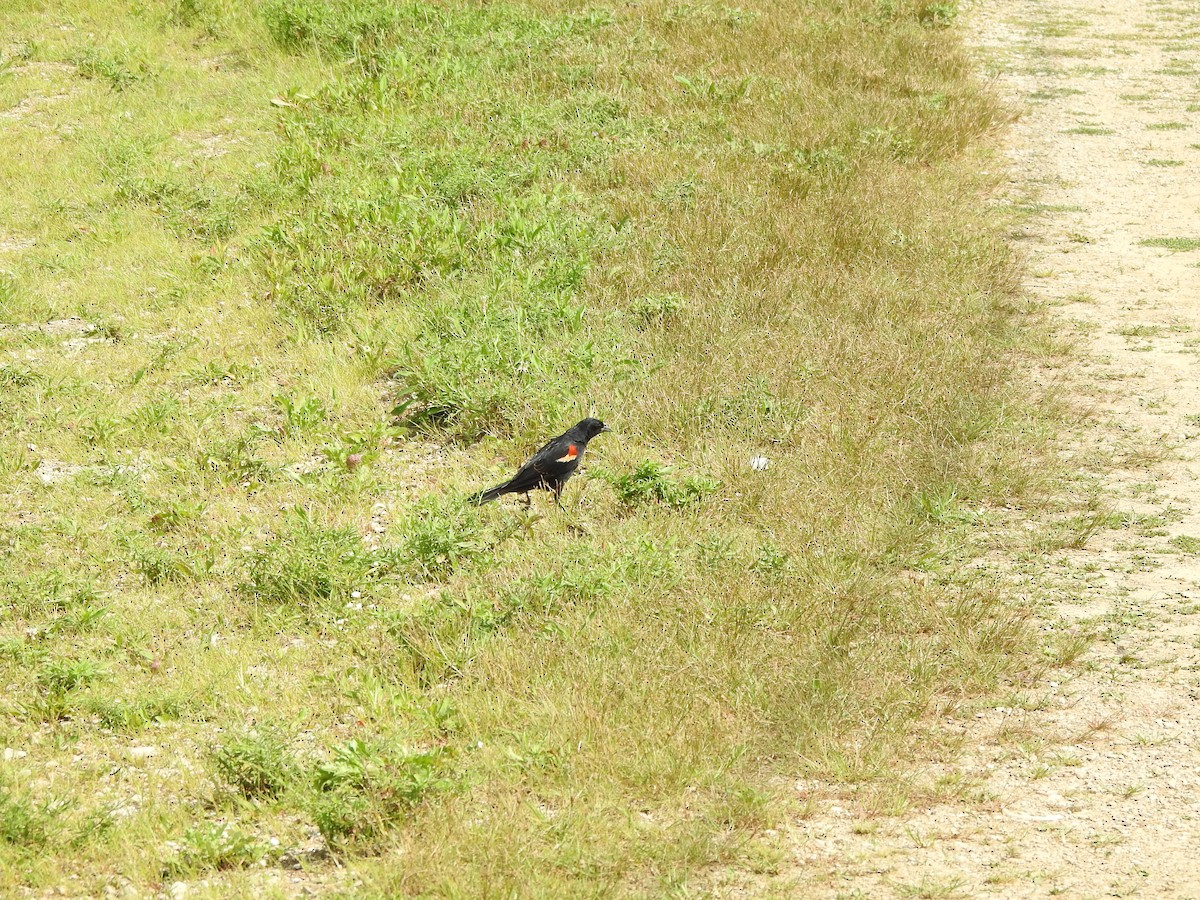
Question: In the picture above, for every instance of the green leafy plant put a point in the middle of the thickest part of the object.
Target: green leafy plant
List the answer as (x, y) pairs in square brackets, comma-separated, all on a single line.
[(256, 764), (653, 482), (344, 27), (57, 680), (937, 15), (300, 416), (161, 566), (27, 823), (438, 537), (212, 846), (130, 715), (358, 448), (364, 788), (175, 515), (305, 564), (119, 68)]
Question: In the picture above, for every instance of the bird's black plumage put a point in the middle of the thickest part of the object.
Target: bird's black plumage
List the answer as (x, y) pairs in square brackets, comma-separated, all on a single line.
[(551, 467)]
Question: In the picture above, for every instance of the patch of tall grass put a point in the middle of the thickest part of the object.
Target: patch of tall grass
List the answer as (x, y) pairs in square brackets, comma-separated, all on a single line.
[(289, 279)]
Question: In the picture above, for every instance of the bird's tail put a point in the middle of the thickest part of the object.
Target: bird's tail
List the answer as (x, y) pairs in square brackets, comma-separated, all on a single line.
[(490, 494)]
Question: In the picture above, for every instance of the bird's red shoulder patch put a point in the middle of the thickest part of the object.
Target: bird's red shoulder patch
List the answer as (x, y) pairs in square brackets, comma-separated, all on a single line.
[(572, 454)]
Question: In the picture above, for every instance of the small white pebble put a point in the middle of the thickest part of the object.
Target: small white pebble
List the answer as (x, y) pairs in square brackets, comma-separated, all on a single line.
[(356, 595), (759, 463)]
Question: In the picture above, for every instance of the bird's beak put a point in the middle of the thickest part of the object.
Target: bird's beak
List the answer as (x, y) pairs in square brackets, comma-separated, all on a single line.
[(604, 429)]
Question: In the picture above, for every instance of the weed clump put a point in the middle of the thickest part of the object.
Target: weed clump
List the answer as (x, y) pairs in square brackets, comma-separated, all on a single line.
[(473, 371), (59, 676), (437, 538), (212, 847), (133, 715), (306, 565), (119, 68), (159, 566), (256, 765), (57, 681), (343, 27), (25, 823), (652, 482), (355, 792), (657, 308), (366, 788), (331, 261), (8, 297)]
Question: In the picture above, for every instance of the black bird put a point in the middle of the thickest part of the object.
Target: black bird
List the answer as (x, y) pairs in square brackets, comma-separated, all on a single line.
[(551, 466)]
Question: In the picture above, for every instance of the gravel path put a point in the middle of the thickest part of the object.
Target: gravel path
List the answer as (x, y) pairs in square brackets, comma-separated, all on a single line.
[(1091, 787)]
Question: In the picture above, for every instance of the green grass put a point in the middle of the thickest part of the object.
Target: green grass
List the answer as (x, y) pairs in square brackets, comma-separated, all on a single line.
[(1054, 93), (293, 278), (1186, 543), (1140, 331), (1174, 244), (1178, 67), (1088, 129)]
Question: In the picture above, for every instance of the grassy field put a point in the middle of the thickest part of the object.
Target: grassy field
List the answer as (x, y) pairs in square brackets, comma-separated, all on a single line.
[(282, 282)]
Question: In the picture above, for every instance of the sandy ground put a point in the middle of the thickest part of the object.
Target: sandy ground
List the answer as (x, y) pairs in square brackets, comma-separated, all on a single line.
[(1092, 787)]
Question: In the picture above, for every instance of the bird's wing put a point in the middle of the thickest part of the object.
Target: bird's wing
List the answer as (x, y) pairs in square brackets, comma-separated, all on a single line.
[(558, 455), (550, 445), (528, 476)]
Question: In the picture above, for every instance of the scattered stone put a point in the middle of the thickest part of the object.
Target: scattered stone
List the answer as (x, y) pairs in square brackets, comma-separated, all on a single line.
[(10, 244), (52, 471), (131, 807), (73, 325), (310, 853), (74, 345)]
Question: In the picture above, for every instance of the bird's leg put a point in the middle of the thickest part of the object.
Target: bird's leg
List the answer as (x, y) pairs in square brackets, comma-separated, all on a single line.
[(527, 501), (558, 499)]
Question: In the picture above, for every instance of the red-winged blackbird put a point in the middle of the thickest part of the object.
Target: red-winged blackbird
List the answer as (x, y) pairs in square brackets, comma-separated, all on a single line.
[(551, 466)]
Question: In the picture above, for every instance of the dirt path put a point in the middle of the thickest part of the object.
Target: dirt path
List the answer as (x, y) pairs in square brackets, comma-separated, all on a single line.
[(1089, 788)]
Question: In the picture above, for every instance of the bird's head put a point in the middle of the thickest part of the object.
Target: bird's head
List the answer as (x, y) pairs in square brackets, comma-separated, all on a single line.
[(589, 428)]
